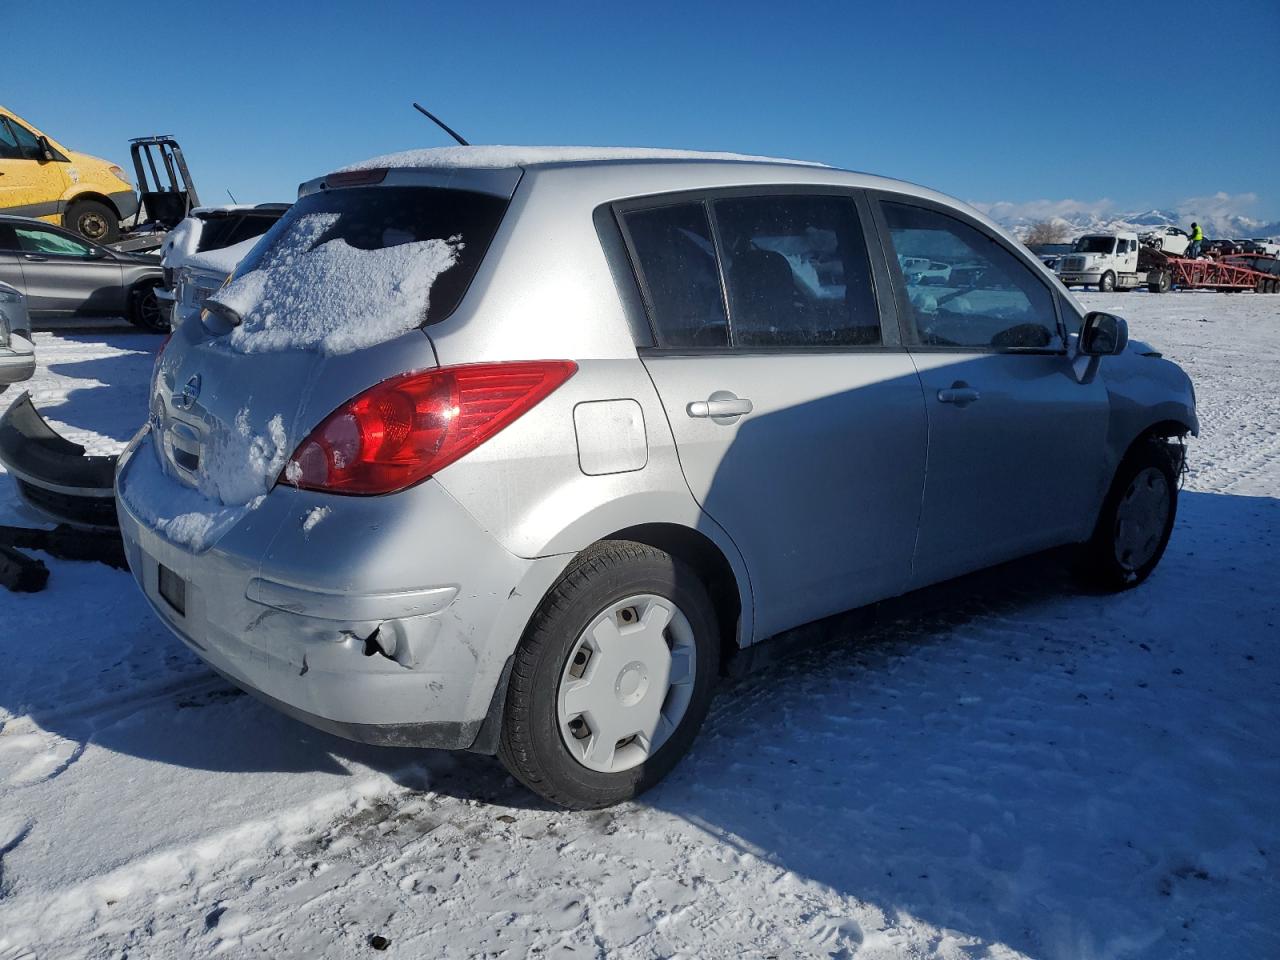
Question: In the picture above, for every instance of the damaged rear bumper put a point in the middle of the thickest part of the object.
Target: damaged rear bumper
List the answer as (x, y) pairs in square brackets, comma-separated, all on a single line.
[(53, 474), (380, 624)]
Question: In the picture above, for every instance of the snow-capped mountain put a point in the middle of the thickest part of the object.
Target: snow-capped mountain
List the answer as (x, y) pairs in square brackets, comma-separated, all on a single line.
[(1076, 224)]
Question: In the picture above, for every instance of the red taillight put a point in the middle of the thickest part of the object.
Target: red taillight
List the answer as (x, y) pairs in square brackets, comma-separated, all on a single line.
[(403, 430)]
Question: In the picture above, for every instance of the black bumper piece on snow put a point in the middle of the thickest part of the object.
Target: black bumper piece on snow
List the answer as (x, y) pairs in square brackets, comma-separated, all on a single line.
[(53, 474)]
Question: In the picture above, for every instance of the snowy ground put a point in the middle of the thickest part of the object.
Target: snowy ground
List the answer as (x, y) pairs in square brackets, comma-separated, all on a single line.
[(1038, 772)]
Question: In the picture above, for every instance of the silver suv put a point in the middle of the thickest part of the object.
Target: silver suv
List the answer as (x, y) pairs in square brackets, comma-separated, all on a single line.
[(512, 449)]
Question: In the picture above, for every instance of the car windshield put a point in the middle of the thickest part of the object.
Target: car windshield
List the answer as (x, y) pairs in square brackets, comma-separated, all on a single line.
[(1095, 245)]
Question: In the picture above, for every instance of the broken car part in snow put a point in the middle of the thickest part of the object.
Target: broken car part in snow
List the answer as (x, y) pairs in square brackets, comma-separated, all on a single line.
[(20, 573), (55, 475), (69, 543)]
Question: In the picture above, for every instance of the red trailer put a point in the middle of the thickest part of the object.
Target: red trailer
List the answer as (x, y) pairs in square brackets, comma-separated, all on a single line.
[(1227, 274)]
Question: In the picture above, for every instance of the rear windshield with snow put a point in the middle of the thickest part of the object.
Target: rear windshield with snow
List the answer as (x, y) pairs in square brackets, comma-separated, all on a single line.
[(351, 267)]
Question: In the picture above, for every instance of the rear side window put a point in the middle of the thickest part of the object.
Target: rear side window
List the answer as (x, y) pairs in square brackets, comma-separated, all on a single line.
[(975, 294), (797, 272), (676, 264)]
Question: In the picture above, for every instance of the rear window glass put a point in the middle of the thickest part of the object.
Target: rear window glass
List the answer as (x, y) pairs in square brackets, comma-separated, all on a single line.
[(346, 269), (227, 231)]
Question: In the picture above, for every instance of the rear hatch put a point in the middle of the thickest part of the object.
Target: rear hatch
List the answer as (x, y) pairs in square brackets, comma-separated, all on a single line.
[(331, 301)]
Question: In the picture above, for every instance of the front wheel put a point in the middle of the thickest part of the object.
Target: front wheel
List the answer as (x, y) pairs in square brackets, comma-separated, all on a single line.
[(93, 220), (1108, 282), (1137, 517), (612, 678)]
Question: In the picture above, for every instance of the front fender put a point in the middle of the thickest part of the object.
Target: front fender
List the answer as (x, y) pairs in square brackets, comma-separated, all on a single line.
[(1145, 391)]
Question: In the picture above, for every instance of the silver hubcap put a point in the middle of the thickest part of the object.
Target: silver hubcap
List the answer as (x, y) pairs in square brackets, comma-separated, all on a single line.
[(627, 683), (1141, 518)]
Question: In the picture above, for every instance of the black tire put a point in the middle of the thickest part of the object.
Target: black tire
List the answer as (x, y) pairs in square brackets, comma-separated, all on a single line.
[(530, 745), (1101, 562), (1160, 282), (1107, 282), (92, 220), (145, 310)]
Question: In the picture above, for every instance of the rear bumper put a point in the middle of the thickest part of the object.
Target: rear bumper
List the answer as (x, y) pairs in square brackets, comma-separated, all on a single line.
[(388, 622)]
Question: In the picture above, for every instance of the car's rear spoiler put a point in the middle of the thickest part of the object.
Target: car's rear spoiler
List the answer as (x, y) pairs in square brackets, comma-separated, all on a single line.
[(55, 475)]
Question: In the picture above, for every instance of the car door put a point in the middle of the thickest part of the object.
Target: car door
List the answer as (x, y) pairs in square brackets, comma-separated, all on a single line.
[(30, 186), (1016, 439), (799, 424), (65, 274)]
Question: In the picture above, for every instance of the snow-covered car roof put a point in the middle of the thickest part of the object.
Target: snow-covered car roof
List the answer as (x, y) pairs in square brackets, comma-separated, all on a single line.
[(501, 157)]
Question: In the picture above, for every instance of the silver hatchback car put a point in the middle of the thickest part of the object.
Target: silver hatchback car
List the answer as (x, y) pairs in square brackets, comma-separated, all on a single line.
[(513, 449)]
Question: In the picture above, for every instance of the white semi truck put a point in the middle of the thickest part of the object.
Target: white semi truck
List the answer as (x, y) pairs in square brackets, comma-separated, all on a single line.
[(1109, 261)]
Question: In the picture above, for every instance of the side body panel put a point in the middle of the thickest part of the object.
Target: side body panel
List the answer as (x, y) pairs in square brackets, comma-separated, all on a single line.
[(1016, 471), (819, 485)]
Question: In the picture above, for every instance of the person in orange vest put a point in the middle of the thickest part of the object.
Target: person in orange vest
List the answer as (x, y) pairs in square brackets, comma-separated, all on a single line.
[(1197, 240)]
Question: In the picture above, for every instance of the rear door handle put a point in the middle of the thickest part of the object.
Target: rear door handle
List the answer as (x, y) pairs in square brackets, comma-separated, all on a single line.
[(959, 393), (721, 406)]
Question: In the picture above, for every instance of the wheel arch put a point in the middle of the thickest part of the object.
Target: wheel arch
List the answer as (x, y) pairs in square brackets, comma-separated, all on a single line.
[(93, 195)]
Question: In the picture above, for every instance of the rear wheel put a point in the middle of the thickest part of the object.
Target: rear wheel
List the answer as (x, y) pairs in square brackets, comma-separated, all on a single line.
[(1137, 517), (145, 311), (1108, 282), (93, 220), (612, 678), (1159, 282)]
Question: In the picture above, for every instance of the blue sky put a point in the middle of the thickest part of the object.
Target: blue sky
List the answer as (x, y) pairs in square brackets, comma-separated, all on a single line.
[(1139, 104)]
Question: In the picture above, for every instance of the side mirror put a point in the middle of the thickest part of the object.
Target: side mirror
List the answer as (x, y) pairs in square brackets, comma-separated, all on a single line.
[(46, 151), (1103, 334)]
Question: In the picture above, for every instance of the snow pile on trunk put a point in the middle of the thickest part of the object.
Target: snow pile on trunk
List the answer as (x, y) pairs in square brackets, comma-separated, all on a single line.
[(500, 157), (238, 465), (237, 469), (308, 293)]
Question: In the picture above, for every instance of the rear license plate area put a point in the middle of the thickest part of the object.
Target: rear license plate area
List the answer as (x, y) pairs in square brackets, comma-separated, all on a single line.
[(173, 589)]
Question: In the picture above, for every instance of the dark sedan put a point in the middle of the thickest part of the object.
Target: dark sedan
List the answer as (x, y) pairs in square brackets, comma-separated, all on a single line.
[(65, 275)]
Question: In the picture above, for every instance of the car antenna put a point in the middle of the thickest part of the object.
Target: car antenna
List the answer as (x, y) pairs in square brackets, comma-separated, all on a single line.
[(439, 123), (232, 196)]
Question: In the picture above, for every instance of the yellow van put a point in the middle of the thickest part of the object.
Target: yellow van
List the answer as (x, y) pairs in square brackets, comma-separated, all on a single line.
[(41, 178)]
